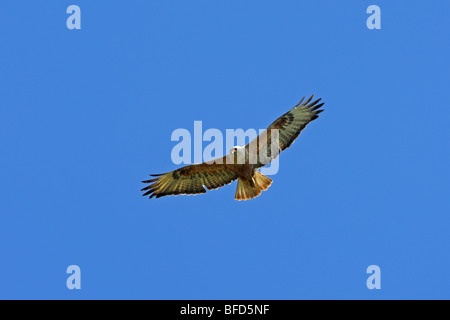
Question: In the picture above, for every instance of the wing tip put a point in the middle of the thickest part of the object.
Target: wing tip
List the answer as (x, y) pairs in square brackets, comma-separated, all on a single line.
[(157, 175)]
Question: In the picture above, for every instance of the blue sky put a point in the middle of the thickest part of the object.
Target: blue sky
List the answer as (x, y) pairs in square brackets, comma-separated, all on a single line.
[(87, 114)]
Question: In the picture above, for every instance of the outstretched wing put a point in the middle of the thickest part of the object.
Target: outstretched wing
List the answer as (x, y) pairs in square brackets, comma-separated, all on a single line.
[(287, 127), (190, 180)]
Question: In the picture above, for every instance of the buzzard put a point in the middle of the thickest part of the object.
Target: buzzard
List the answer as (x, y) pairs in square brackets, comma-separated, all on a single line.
[(241, 163)]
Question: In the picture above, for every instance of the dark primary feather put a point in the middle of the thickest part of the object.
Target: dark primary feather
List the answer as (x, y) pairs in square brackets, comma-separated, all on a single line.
[(190, 180), (289, 126)]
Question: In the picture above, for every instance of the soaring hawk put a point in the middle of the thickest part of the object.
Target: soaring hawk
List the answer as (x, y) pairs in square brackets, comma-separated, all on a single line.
[(241, 163)]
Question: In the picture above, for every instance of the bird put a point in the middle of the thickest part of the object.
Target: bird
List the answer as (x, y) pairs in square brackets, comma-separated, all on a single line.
[(242, 163)]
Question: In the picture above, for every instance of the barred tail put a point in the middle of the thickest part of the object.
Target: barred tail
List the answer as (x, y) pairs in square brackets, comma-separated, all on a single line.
[(245, 191)]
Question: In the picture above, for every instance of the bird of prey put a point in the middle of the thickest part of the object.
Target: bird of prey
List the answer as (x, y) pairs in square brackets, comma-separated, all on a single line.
[(241, 163)]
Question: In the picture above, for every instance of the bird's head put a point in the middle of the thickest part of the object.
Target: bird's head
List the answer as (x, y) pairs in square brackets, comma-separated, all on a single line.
[(235, 149), (239, 154)]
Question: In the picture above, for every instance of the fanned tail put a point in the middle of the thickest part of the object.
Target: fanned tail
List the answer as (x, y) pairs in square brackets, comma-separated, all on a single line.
[(245, 191)]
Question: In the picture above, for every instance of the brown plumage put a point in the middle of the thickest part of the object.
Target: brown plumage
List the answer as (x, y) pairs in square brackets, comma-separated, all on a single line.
[(214, 174)]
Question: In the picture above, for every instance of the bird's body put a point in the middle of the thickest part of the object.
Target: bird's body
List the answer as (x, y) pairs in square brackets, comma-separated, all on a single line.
[(241, 163)]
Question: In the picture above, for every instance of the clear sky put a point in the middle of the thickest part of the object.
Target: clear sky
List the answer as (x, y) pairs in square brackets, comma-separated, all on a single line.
[(85, 115)]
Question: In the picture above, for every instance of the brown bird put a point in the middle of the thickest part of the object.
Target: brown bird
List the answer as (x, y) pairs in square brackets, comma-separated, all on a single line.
[(241, 163)]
